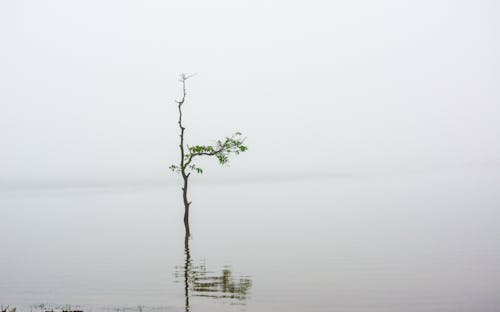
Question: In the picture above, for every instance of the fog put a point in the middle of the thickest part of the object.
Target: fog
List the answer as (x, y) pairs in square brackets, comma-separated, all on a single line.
[(87, 88)]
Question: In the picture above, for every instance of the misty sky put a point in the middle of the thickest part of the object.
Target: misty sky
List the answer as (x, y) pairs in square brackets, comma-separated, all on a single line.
[(87, 88)]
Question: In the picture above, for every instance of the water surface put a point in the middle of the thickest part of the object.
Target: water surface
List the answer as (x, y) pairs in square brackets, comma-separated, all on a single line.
[(407, 242)]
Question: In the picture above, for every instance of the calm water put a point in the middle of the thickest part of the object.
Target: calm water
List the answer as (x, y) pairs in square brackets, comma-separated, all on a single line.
[(414, 242)]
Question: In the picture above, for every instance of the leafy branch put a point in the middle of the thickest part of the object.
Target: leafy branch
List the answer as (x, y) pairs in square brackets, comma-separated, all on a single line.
[(222, 150)]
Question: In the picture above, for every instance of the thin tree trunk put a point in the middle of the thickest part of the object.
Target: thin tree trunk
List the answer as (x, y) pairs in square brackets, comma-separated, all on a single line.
[(183, 165), (186, 203)]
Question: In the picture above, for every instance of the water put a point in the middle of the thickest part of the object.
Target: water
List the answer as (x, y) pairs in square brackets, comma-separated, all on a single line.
[(406, 242)]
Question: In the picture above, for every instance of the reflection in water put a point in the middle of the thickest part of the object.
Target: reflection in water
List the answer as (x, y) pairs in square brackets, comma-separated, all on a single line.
[(187, 265), (200, 282)]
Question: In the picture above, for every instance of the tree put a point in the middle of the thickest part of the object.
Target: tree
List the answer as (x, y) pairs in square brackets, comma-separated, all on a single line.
[(222, 150)]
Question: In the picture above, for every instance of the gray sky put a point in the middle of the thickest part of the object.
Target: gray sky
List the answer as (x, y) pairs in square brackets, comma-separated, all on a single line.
[(87, 88)]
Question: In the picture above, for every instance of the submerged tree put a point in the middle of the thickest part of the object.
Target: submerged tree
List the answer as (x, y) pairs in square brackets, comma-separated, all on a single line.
[(222, 150)]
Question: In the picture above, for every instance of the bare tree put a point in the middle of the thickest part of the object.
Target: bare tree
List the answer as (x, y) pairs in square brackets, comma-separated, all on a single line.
[(222, 150)]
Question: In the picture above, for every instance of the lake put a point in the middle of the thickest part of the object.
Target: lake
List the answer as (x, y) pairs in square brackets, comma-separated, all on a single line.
[(427, 241)]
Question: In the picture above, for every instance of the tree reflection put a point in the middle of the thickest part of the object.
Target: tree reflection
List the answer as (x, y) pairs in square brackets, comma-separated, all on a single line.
[(200, 282), (187, 265)]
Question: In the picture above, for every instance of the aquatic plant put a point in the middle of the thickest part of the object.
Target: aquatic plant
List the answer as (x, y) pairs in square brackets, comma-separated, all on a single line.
[(7, 309)]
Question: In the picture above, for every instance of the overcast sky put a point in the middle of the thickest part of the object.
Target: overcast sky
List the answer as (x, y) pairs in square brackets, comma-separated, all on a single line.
[(87, 88)]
